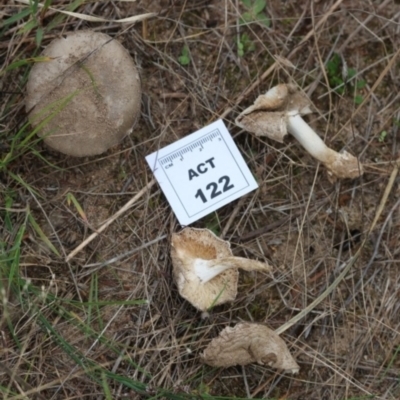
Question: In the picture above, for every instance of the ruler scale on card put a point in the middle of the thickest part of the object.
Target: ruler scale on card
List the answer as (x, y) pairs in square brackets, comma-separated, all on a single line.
[(207, 139), (201, 172)]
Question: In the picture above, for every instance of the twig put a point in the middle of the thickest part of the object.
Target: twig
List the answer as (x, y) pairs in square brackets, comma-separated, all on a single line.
[(370, 92), (386, 193), (267, 228), (378, 241), (246, 384), (232, 217), (319, 299), (362, 25), (97, 266), (274, 225), (276, 63), (24, 385), (350, 263), (110, 220), (374, 254)]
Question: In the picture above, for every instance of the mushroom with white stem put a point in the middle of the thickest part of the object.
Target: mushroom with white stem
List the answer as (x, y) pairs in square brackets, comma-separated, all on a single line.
[(204, 268), (86, 96), (248, 343), (280, 111)]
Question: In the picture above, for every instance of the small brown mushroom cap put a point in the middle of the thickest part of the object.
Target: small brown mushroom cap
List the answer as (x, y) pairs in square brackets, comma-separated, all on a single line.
[(268, 115), (279, 111), (249, 343), (192, 249), (96, 78)]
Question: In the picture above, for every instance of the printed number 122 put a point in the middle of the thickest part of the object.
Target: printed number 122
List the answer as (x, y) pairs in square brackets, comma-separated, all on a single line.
[(214, 188)]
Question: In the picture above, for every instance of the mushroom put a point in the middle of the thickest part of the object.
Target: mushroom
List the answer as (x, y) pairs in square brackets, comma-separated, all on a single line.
[(249, 343), (280, 111), (204, 268), (86, 97)]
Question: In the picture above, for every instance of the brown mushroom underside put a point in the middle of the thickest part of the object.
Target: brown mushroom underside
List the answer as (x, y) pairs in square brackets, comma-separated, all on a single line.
[(268, 115), (190, 244)]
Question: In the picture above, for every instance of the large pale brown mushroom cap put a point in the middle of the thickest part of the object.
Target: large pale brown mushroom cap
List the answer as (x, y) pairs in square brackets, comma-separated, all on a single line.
[(191, 244), (101, 79), (196, 254), (249, 343)]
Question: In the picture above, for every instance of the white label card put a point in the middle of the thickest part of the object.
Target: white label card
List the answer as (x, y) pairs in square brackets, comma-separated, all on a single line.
[(201, 172)]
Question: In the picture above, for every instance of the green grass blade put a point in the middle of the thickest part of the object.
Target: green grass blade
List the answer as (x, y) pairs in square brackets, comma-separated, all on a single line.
[(72, 198), (18, 179), (25, 62), (15, 18), (106, 388), (39, 36), (41, 234)]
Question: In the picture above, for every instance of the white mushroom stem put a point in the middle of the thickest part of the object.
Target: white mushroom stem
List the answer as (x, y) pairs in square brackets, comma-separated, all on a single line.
[(209, 269), (206, 270), (343, 165), (307, 137)]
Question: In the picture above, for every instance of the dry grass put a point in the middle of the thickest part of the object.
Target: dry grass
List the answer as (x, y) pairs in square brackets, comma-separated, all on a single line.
[(109, 323)]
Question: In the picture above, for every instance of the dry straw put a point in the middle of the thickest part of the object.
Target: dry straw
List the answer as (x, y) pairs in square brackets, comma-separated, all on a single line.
[(90, 18)]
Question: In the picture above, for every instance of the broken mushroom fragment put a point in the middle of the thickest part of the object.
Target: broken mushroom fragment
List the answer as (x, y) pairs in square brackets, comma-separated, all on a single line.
[(280, 111), (86, 97), (204, 268), (249, 343)]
